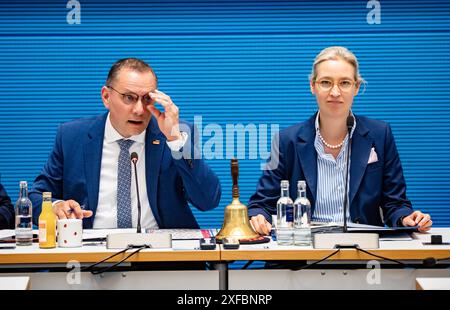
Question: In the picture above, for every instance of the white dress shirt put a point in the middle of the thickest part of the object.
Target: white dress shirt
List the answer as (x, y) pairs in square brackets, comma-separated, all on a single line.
[(106, 214)]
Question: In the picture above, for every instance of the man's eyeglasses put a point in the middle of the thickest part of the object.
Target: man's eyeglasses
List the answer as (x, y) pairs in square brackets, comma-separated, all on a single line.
[(327, 85), (131, 98)]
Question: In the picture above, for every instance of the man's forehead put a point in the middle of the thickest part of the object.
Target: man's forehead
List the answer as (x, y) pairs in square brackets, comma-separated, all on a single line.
[(134, 78)]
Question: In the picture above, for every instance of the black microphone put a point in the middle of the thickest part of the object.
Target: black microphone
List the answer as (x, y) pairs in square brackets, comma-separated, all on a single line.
[(134, 159), (350, 122)]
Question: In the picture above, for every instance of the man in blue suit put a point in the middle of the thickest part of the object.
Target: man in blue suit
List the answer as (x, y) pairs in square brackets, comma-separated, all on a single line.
[(316, 151), (90, 174), (6, 210)]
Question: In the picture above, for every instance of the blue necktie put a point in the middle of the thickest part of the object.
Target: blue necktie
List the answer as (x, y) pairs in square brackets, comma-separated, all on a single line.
[(124, 185)]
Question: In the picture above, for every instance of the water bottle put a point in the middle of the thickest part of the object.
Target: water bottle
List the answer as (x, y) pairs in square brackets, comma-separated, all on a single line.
[(24, 223), (302, 216), (285, 218)]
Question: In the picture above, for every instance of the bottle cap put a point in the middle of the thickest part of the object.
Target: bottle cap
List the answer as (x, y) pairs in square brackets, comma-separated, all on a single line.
[(46, 195), (301, 184)]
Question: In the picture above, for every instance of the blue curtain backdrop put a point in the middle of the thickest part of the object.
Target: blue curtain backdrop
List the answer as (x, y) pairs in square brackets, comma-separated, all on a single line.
[(230, 62)]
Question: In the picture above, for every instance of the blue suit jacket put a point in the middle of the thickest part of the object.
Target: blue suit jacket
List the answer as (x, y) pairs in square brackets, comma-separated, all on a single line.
[(6, 210), (372, 186), (73, 172)]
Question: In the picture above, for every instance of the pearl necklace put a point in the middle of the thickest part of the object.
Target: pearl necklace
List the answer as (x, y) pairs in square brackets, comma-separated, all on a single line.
[(329, 145)]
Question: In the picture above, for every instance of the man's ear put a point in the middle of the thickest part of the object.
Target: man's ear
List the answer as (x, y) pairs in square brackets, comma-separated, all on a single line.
[(105, 96)]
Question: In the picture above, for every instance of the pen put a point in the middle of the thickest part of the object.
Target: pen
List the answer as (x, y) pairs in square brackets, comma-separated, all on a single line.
[(70, 211), (7, 247), (83, 207), (93, 243)]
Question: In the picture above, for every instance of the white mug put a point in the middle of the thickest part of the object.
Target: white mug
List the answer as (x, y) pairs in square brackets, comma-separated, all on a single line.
[(70, 233)]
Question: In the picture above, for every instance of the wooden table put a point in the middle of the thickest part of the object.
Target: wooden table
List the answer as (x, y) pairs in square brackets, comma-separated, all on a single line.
[(33, 260), (341, 269), (332, 273)]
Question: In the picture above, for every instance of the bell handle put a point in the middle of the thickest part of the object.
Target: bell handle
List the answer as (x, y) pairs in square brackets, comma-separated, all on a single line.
[(235, 175)]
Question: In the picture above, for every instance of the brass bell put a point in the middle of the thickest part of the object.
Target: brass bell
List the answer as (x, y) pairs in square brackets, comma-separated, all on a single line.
[(236, 223)]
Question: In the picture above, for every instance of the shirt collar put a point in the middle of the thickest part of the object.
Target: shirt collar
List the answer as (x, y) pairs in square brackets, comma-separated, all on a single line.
[(111, 134)]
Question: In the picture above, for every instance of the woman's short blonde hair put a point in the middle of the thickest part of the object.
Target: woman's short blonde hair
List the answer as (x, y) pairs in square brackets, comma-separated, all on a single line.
[(335, 53)]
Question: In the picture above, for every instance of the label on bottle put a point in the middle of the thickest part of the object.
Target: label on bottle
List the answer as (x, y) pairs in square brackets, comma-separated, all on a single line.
[(289, 215), (42, 231)]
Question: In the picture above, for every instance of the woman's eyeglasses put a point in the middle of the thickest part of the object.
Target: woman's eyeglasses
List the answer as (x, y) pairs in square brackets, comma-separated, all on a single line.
[(327, 85)]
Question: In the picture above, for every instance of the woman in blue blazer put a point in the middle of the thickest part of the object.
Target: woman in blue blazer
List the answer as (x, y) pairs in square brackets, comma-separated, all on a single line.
[(316, 150)]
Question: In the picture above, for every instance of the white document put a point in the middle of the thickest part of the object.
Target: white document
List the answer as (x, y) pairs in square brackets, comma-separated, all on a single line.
[(6, 233)]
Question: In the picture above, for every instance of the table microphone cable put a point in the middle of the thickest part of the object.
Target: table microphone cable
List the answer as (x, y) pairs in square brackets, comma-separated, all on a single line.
[(110, 268), (431, 261), (428, 262), (346, 247), (381, 257), (302, 267), (317, 262), (247, 264), (104, 260)]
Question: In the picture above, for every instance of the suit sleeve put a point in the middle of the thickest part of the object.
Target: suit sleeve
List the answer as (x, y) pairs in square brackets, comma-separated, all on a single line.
[(50, 179), (200, 184), (6, 210), (264, 201), (394, 204)]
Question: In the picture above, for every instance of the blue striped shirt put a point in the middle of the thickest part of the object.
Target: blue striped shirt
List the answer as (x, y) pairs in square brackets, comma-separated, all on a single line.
[(330, 182)]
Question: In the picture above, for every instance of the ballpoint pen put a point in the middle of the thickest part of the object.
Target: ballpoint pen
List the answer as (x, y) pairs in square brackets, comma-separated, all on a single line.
[(83, 207)]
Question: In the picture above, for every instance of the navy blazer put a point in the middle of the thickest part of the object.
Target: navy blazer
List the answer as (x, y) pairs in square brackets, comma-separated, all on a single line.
[(73, 172), (372, 186), (6, 210)]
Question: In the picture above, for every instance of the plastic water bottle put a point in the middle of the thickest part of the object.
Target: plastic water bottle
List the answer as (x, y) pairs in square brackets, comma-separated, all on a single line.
[(302, 216), (285, 218), (24, 223)]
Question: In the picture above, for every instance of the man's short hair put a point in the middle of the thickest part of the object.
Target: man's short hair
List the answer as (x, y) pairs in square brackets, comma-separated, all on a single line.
[(134, 64)]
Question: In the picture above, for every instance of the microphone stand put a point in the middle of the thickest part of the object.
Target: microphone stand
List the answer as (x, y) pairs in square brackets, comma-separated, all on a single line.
[(138, 199), (346, 207)]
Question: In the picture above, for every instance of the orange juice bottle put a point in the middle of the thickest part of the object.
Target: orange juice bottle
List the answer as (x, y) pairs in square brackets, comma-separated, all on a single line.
[(47, 223)]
